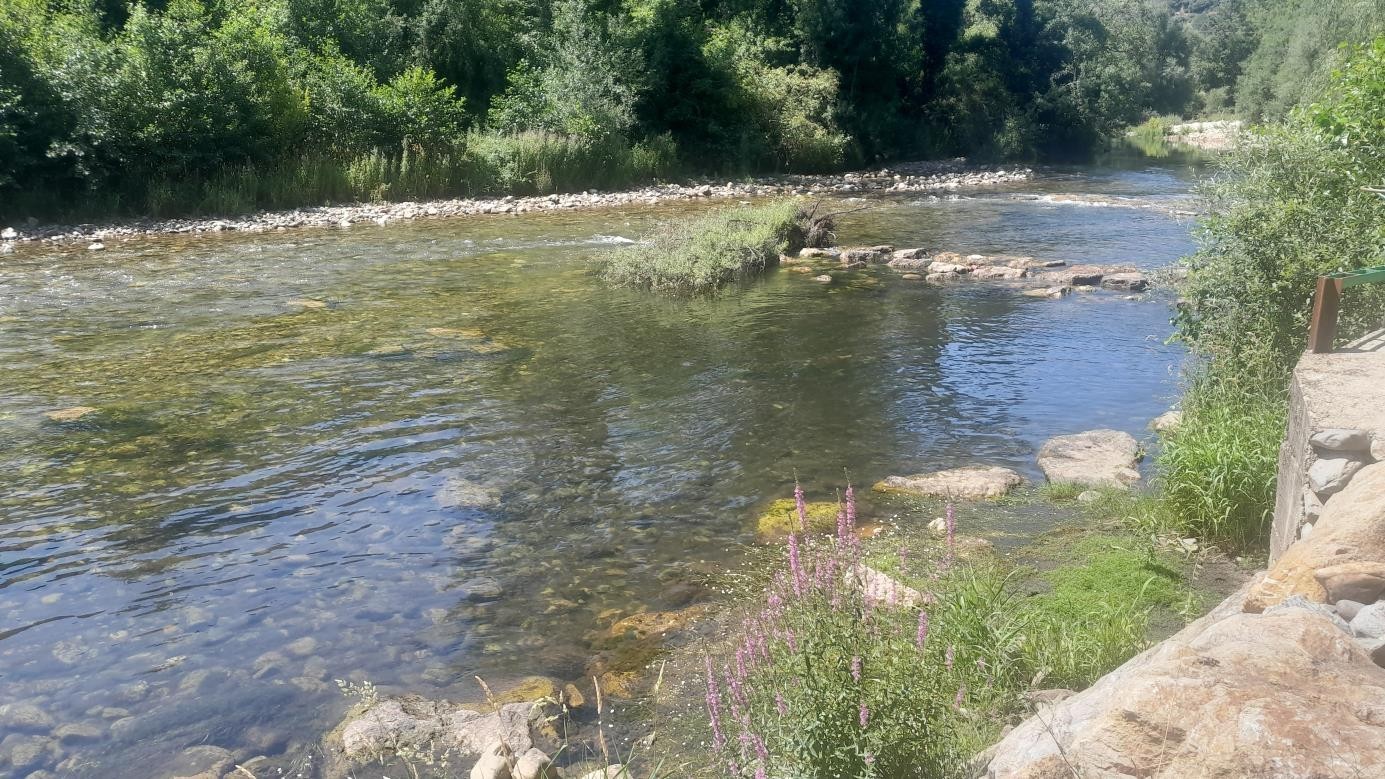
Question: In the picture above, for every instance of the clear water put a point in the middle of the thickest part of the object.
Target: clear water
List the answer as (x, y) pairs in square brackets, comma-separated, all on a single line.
[(272, 496)]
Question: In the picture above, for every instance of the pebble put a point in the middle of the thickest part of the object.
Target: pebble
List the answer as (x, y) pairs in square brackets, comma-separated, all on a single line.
[(1347, 609), (909, 177), (24, 717)]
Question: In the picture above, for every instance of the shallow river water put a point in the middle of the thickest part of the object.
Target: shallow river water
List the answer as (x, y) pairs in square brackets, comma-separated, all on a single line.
[(474, 449)]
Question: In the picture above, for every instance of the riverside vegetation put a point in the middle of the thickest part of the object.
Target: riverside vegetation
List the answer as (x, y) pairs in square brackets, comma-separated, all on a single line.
[(225, 106)]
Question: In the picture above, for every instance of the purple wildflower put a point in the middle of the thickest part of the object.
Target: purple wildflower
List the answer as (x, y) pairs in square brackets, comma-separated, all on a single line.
[(961, 695), (947, 658), (870, 758), (762, 752), (760, 772), (714, 708), (790, 641), (850, 509), (780, 705), (865, 716), (795, 565), (922, 637), (800, 505), (856, 669), (843, 530)]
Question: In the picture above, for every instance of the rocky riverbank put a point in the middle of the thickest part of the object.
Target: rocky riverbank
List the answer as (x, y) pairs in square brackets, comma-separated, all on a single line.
[(926, 177)]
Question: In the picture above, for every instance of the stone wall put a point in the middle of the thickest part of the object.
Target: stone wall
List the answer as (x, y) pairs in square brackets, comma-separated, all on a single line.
[(1336, 426)]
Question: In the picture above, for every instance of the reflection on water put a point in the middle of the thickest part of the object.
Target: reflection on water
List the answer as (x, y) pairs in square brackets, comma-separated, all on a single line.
[(419, 452)]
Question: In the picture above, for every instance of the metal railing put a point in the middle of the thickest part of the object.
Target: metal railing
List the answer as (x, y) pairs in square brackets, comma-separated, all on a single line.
[(1327, 303)]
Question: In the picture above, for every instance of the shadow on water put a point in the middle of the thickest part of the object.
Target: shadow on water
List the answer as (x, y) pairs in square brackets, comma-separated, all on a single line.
[(415, 453)]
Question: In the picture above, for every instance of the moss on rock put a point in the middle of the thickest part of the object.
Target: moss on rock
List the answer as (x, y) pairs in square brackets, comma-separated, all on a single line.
[(781, 518)]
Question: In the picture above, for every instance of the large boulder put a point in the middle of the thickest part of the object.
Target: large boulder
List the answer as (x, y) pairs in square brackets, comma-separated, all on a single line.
[(1344, 556), (975, 482), (1285, 694), (1096, 458)]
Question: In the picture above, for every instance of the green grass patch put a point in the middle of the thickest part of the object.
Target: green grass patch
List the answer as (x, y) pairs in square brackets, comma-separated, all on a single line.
[(715, 249), (1060, 492), (1218, 468)]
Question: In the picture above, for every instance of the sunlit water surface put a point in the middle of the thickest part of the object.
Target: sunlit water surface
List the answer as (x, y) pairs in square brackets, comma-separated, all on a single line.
[(475, 449)]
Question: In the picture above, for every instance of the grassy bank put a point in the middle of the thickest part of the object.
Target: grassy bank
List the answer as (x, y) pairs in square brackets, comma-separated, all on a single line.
[(725, 246), (833, 674)]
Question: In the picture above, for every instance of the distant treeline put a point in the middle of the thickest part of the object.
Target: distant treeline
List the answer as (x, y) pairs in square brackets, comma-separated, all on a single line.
[(170, 106)]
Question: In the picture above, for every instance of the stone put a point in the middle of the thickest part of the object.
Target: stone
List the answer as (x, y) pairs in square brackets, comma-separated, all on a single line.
[(457, 492), (1377, 449), (1125, 282), (823, 279), (948, 267), (1351, 530), (1037, 698), (866, 254), (482, 588), (616, 771), (1047, 292), (653, 624), (69, 414), (1088, 496), (9, 234), (1228, 696), (307, 303), (1079, 275), (534, 764), (413, 721), (78, 732), (22, 752), (96, 246), (1312, 506), (853, 264), (911, 277), (999, 272), (573, 697), (302, 647), (879, 587), (1348, 609), (1096, 458), (919, 264), (495, 763), (1328, 475), (780, 518), (969, 483), (1166, 422), (938, 278), (938, 525), (1369, 621), (1305, 531), (201, 762), (1362, 581), (813, 251), (1337, 439), (528, 690), (24, 718), (908, 254)]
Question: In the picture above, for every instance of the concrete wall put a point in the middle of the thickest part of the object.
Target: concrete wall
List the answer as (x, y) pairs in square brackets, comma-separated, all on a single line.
[(1336, 425)]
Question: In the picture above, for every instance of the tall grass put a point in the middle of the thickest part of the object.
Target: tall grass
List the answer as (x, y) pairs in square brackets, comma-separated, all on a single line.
[(706, 252), (483, 163), (1218, 467)]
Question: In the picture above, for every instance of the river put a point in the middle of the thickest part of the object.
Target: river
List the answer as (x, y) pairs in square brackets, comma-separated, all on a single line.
[(419, 452)]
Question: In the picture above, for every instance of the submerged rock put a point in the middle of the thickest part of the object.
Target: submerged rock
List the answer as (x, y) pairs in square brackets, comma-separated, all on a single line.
[(71, 414), (970, 483), (1166, 422), (1096, 458), (781, 518), (1048, 292), (999, 272), (657, 624)]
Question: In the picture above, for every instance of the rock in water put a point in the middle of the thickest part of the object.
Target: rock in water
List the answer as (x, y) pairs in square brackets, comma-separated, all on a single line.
[(1126, 282), (1285, 694), (1096, 458), (969, 483), (69, 414), (1167, 422)]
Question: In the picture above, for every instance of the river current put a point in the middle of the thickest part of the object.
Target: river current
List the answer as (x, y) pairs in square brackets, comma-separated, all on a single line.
[(416, 453)]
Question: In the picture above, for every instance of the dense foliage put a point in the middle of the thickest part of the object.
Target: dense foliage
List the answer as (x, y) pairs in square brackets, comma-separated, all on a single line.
[(1296, 200), (179, 105)]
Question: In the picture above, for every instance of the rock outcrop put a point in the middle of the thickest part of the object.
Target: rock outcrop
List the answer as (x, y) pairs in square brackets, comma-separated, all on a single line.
[(1285, 694), (1343, 558), (1096, 458), (969, 483)]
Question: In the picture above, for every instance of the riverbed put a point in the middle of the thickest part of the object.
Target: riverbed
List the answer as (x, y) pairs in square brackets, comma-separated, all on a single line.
[(415, 453)]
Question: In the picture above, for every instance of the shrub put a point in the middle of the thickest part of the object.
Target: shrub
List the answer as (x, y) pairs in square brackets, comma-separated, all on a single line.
[(704, 253)]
